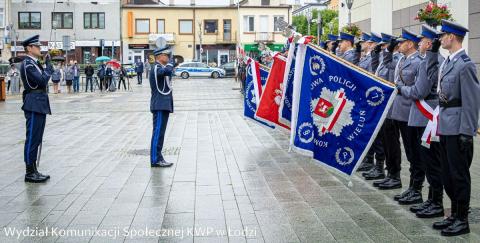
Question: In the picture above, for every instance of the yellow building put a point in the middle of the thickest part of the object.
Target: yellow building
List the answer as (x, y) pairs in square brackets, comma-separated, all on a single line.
[(192, 29)]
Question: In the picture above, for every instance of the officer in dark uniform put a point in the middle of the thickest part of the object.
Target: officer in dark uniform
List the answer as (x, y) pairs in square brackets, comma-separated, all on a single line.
[(422, 112), (161, 103), (459, 100), (346, 47), (36, 105)]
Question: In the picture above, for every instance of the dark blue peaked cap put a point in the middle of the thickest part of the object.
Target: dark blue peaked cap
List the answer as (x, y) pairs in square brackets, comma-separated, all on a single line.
[(365, 37), (158, 51), (332, 37), (385, 38), (375, 37), (429, 32), (345, 36), (408, 35), (454, 28), (34, 40)]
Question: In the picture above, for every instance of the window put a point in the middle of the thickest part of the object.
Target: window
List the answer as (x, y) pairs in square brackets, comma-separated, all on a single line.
[(2, 18), (94, 20), (248, 23), (185, 26), (211, 26), (160, 26), (29, 20), (276, 26), (62, 20), (142, 26), (265, 2)]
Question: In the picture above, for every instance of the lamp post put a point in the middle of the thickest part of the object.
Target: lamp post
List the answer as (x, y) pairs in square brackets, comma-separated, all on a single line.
[(349, 6), (319, 27), (308, 14)]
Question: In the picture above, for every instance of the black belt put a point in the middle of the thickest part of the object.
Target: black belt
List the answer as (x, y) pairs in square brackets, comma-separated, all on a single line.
[(451, 103), (432, 97)]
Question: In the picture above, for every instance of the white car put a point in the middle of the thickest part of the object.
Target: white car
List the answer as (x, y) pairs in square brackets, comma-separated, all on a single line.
[(198, 69)]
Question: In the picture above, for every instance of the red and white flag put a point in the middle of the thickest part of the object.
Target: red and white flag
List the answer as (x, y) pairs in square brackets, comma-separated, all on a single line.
[(271, 96)]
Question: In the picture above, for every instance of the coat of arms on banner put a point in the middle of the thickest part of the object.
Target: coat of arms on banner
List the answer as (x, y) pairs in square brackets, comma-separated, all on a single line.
[(331, 111)]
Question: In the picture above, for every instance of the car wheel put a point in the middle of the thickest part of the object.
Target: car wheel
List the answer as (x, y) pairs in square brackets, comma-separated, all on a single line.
[(215, 75), (184, 75)]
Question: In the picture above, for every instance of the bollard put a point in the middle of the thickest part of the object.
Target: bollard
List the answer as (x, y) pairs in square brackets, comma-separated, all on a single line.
[(3, 89)]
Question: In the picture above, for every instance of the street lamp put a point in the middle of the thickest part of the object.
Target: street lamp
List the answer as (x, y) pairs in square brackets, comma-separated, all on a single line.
[(349, 6), (319, 27), (308, 14)]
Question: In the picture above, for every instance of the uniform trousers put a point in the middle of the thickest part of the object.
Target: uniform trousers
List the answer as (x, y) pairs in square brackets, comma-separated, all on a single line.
[(160, 120), (431, 158), (35, 127)]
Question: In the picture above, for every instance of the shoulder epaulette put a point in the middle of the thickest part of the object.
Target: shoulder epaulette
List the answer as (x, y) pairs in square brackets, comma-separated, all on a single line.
[(466, 58)]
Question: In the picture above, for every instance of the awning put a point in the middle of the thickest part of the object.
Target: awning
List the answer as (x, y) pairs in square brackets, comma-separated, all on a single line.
[(254, 47)]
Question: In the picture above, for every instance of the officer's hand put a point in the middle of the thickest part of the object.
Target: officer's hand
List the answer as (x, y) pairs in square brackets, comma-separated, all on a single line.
[(392, 45), (399, 89), (466, 142), (377, 49), (436, 45), (358, 47)]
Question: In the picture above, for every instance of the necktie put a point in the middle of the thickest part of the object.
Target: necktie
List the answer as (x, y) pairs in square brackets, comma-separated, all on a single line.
[(442, 68)]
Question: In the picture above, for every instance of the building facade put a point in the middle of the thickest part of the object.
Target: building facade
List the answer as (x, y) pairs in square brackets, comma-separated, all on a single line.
[(93, 27), (392, 16)]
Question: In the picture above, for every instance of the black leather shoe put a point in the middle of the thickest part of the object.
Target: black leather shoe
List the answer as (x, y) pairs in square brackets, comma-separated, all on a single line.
[(403, 194), (458, 227), (162, 163), (376, 174), (434, 210), (413, 197), (365, 166), (376, 183), (35, 177), (444, 223), (368, 172), (393, 183), (421, 206)]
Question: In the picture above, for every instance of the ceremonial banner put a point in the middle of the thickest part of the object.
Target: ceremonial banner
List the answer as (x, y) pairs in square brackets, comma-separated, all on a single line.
[(256, 76), (285, 108), (338, 109), (267, 109)]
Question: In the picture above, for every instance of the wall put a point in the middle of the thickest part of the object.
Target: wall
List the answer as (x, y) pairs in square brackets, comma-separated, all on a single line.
[(257, 12), (474, 40)]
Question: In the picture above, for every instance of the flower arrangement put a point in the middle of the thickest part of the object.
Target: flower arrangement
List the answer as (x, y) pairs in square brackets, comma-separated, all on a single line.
[(352, 29), (433, 14)]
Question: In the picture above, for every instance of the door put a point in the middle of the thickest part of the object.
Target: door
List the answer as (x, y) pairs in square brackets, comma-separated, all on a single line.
[(227, 30), (222, 57), (263, 27)]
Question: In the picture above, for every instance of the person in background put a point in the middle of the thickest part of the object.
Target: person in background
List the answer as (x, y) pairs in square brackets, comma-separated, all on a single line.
[(147, 68), (139, 71), (56, 77), (89, 77), (76, 77), (101, 75), (123, 74), (14, 79), (69, 75), (108, 76)]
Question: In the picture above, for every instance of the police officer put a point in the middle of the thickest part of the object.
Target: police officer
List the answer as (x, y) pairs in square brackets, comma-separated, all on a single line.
[(346, 47), (161, 103), (370, 63), (459, 101), (422, 111), (36, 105), (331, 43)]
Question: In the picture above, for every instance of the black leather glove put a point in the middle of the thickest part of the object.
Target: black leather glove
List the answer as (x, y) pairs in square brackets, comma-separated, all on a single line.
[(392, 45), (358, 47), (436, 45), (377, 49), (334, 47), (399, 89), (466, 142)]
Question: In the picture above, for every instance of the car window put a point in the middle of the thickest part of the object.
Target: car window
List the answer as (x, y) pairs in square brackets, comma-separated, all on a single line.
[(202, 65), (186, 65)]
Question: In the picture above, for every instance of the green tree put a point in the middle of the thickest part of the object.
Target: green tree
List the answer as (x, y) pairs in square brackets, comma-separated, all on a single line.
[(329, 23)]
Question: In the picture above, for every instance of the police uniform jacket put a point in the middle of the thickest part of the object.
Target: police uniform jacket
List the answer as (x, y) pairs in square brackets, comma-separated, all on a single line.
[(459, 84), (35, 80), (350, 56), (365, 62), (386, 69), (425, 88), (159, 101), (405, 73)]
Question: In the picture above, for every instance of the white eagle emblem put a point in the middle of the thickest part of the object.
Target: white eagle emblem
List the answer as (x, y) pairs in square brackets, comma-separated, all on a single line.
[(331, 111)]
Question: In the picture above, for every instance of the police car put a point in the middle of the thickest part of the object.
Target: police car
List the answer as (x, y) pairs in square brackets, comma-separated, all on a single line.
[(198, 69)]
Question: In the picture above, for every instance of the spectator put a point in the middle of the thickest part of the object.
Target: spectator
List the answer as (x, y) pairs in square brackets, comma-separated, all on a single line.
[(101, 75), (139, 71), (89, 77), (56, 77), (147, 68), (108, 76), (14, 79), (69, 75), (123, 74), (76, 77)]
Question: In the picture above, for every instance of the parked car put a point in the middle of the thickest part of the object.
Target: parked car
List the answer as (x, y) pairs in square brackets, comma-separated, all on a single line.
[(230, 69), (198, 69), (130, 70)]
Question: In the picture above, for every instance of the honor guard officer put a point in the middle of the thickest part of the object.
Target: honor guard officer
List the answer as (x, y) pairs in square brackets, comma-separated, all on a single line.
[(459, 100), (161, 103), (366, 59), (331, 43), (422, 112), (345, 47), (36, 105)]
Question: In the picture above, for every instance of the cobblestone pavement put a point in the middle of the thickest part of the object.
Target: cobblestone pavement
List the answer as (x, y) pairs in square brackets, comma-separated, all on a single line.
[(230, 176)]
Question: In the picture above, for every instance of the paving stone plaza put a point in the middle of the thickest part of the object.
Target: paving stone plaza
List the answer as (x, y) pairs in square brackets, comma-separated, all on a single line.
[(233, 180)]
